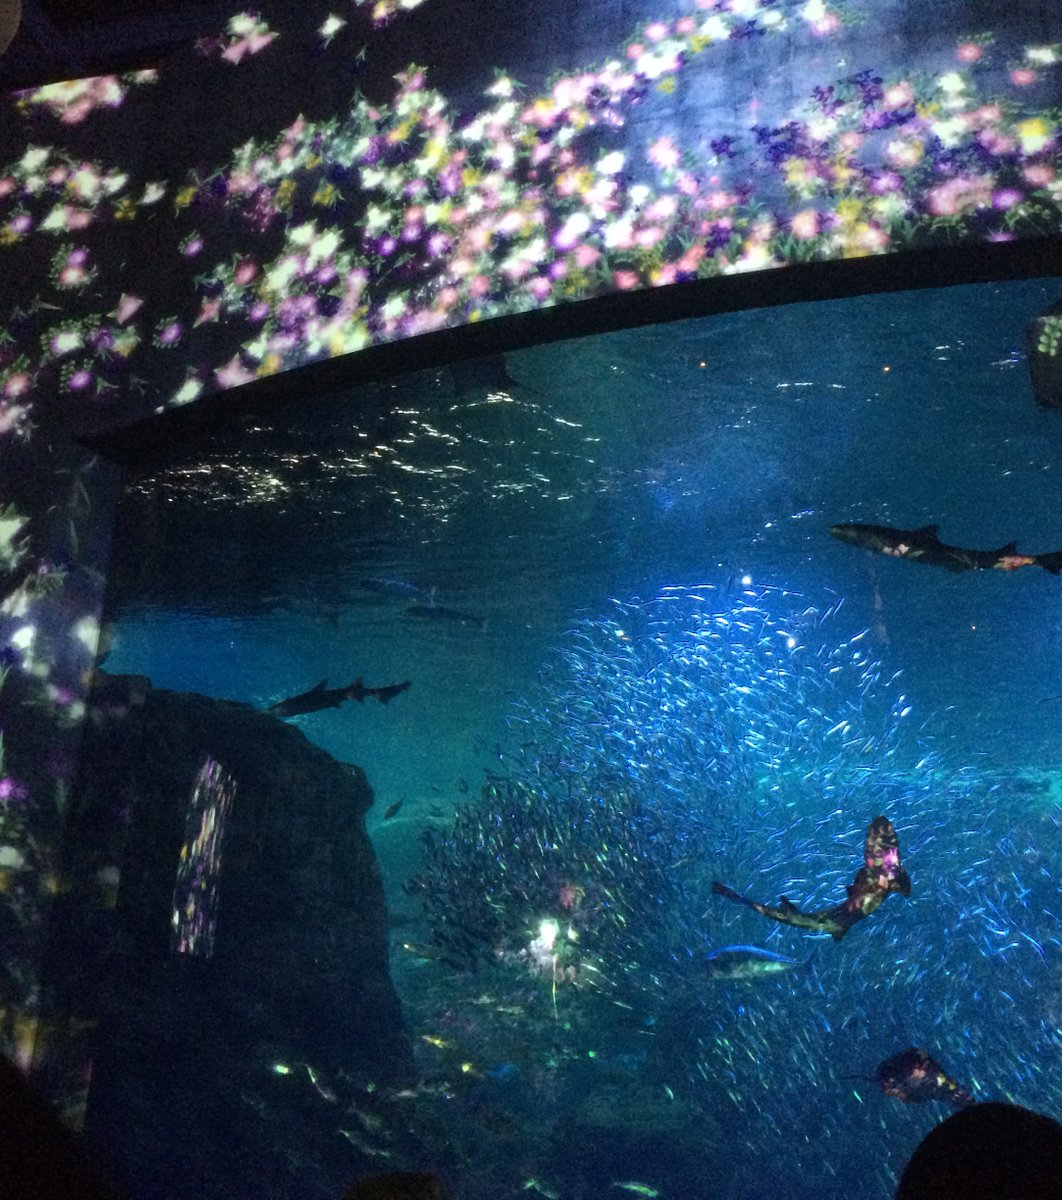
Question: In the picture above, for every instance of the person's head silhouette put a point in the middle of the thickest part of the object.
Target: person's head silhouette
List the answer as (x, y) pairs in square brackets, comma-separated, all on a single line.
[(988, 1151)]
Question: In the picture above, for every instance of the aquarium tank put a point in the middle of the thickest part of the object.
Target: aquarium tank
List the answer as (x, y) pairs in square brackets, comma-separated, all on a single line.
[(530, 571), (577, 614)]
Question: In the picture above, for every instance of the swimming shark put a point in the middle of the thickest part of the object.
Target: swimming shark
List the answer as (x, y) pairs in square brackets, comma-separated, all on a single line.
[(440, 612), (924, 545), (880, 875), (320, 697)]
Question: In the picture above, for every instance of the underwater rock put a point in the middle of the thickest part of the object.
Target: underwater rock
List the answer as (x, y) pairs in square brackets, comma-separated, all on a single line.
[(627, 1130), (244, 975)]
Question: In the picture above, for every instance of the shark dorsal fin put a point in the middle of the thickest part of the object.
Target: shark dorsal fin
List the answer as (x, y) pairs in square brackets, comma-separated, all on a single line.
[(319, 687), (929, 531), (1009, 548)]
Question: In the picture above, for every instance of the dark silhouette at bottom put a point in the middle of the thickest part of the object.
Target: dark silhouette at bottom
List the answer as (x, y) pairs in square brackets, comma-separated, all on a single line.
[(42, 1159), (987, 1151), (397, 1185)]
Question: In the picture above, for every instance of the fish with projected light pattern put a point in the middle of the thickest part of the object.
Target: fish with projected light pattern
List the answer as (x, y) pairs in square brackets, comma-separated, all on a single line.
[(878, 878), (913, 1076), (924, 545), (748, 962)]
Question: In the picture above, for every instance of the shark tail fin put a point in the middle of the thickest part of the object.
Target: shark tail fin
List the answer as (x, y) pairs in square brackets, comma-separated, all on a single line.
[(720, 889), (1050, 562)]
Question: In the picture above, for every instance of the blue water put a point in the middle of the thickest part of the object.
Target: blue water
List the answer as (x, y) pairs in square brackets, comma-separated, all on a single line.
[(597, 491)]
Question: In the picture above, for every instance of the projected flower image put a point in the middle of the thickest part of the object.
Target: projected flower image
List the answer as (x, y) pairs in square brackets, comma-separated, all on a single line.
[(387, 221), (385, 10), (245, 34), (74, 100)]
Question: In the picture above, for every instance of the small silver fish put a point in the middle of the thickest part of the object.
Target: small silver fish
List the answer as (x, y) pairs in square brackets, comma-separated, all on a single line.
[(748, 962)]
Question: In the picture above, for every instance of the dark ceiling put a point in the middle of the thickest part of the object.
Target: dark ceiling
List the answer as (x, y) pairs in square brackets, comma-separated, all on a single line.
[(64, 39)]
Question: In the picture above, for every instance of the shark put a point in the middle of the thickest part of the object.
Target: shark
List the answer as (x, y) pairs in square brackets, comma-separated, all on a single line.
[(320, 697), (924, 545), (880, 876), (440, 612)]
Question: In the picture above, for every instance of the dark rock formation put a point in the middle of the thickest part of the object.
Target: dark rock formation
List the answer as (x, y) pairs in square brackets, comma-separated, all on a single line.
[(635, 1130), (216, 1072)]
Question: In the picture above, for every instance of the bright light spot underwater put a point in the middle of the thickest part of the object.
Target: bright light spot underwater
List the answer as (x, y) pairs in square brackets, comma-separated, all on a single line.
[(547, 933)]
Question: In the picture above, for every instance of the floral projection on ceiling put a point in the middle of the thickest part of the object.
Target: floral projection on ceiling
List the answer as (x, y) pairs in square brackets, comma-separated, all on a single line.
[(385, 221)]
